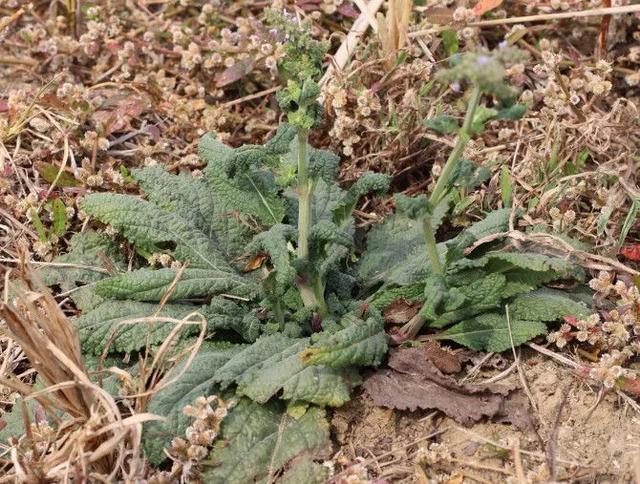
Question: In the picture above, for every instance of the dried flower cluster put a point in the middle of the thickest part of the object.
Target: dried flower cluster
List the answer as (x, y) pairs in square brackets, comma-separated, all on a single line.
[(374, 123), (187, 453), (612, 334)]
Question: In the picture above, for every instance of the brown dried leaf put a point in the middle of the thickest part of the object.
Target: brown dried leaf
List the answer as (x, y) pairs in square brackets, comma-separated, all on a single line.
[(483, 6), (400, 311), (234, 73), (254, 263), (439, 15), (446, 361), (116, 113), (413, 381)]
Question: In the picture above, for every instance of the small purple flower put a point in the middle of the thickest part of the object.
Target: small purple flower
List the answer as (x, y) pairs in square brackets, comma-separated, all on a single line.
[(455, 87), (483, 60), (503, 45)]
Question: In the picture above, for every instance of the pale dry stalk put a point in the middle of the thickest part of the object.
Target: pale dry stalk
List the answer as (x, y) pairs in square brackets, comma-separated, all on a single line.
[(91, 437), (393, 29)]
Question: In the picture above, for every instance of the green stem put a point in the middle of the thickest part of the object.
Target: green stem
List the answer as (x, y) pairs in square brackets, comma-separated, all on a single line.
[(432, 248), (304, 196), (279, 313), (318, 291), (411, 329), (312, 292), (442, 185)]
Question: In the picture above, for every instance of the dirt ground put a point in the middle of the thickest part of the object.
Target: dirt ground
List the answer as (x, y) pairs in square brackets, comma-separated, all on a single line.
[(578, 436)]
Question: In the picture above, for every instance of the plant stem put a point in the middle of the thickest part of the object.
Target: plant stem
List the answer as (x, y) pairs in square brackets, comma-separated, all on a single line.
[(312, 292), (304, 196), (432, 248), (411, 329), (454, 157), (318, 291)]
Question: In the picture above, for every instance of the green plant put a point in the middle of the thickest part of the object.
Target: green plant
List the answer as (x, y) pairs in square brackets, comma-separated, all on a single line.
[(260, 248), (469, 293)]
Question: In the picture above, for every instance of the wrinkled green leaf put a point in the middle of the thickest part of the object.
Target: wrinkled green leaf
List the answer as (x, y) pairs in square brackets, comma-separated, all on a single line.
[(262, 439), (490, 332)]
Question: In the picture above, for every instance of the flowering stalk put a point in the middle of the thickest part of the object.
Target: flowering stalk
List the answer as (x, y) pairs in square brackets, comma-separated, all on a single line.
[(432, 248), (312, 293), (464, 135), (411, 329), (304, 196)]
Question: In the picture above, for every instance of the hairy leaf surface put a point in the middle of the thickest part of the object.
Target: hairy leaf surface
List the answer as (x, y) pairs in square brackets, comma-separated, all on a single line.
[(547, 305), (262, 439), (153, 229), (490, 332), (367, 183), (97, 326), (361, 343), (252, 192), (273, 364), (190, 197), (151, 285)]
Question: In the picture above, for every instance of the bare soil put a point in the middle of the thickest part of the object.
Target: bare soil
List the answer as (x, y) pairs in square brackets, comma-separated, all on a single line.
[(578, 435)]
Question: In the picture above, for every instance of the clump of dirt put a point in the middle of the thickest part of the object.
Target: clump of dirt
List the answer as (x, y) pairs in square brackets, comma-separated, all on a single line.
[(579, 435)]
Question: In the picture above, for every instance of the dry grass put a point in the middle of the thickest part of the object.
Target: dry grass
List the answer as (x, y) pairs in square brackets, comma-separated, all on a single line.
[(77, 430), (74, 429)]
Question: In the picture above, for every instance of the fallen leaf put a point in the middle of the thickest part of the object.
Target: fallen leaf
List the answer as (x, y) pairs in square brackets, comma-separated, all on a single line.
[(347, 10), (631, 252), (483, 6), (439, 15), (49, 172), (254, 263), (413, 381), (234, 73), (446, 361), (400, 311), (116, 114)]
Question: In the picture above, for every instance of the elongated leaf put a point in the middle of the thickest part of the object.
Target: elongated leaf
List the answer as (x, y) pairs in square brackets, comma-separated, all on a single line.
[(152, 285), (547, 305), (97, 326), (155, 230), (252, 191), (182, 194), (275, 243), (494, 223), (223, 314), (382, 262), (83, 266), (485, 293), (362, 343), (273, 364), (59, 214), (490, 332), (367, 183), (325, 198)]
